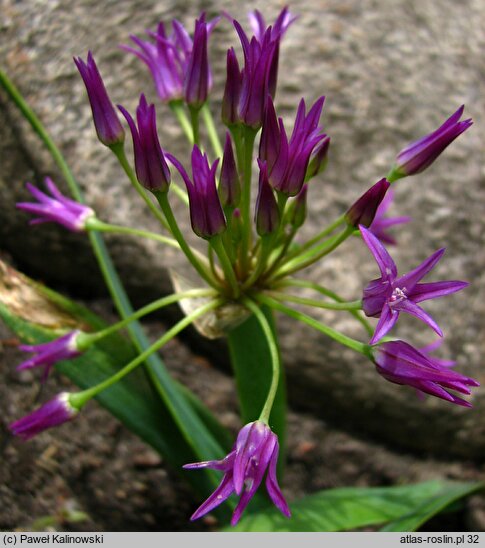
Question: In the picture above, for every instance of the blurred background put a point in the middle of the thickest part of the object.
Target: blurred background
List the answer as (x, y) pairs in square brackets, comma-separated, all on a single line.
[(391, 71)]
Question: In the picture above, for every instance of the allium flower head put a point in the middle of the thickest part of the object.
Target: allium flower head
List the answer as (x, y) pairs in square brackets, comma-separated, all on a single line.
[(108, 127), (53, 413), (255, 451), (420, 154), (150, 165), (178, 64), (56, 208), (381, 223), (399, 362), (288, 159), (47, 354), (390, 295), (206, 215)]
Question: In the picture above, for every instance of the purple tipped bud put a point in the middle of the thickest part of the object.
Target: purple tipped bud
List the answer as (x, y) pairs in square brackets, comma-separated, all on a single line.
[(299, 208), (319, 159), (267, 217), (420, 154), (269, 144), (364, 209), (198, 73), (229, 186), (151, 168), (206, 215), (401, 363), (232, 90), (53, 413), (56, 208), (108, 127)]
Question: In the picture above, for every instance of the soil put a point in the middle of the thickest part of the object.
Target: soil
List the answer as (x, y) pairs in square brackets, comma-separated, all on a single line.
[(97, 471)]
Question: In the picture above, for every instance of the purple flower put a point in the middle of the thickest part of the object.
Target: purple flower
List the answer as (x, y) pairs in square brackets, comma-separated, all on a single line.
[(206, 215), (399, 362), (288, 159), (381, 223), (389, 295), (232, 90), (255, 451), (420, 154), (56, 209), (229, 186), (47, 354), (150, 165), (363, 211), (179, 65), (108, 127), (267, 215), (53, 413)]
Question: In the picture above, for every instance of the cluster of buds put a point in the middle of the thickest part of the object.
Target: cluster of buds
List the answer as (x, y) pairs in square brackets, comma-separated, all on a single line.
[(252, 253)]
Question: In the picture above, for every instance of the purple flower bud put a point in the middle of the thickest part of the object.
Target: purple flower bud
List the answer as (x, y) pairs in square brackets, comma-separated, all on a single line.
[(255, 451), (288, 172), (363, 211), (318, 159), (53, 413), (206, 215), (267, 217), (400, 363), (269, 144), (381, 223), (151, 168), (56, 209), (389, 295), (179, 66), (198, 73), (47, 354), (299, 208), (108, 127), (229, 186), (420, 154), (232, 90)]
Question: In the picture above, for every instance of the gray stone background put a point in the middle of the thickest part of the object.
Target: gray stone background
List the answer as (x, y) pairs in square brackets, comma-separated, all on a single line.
[(391, 71)]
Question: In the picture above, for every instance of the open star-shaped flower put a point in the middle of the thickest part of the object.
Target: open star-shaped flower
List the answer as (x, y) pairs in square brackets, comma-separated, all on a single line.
[(389, 295)]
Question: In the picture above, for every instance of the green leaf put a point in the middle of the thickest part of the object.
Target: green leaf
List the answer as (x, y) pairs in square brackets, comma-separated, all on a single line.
[(450, 493), (251, 362), (37, 314), (352, 508)]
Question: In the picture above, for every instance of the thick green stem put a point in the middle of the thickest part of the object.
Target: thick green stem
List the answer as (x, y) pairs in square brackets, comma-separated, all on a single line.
[(275, 358), (211, 130), (293, 282), (177, 107), (203, 272), (332, 333), (79, 399), (122, 159)]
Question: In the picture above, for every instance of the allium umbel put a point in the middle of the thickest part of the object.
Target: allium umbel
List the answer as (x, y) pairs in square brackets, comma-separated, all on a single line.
[(255, 452)]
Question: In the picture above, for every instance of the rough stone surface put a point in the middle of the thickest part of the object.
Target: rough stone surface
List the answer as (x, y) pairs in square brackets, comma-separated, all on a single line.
[(391, 71)]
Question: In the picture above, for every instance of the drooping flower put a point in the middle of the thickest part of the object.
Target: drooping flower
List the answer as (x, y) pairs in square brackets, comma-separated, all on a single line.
[(178, 64), (56, 209), (381, 223), (267, 215), (206, 215), (389, 295), (53, 413), (401, 363), (255, 451), (288, 159), (47, 354), (420, 154), (151, 168), (363, 211), (108, 127)]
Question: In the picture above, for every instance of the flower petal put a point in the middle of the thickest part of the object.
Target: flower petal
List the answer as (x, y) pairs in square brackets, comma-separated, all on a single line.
[(415, 310), (385, 324), (410, 279), (423, 292), (384, 261)]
